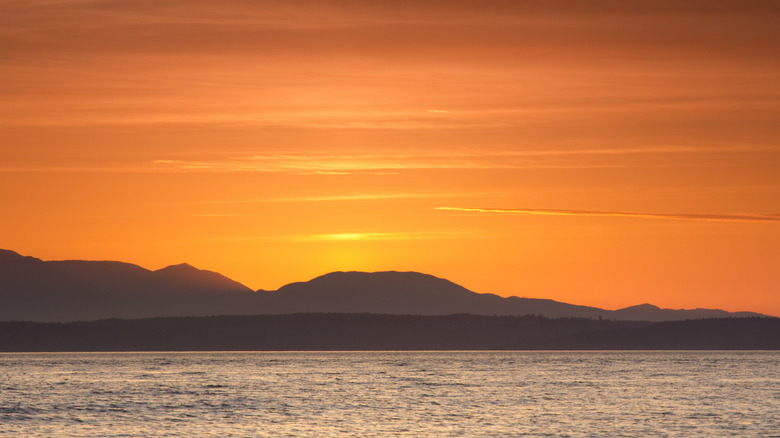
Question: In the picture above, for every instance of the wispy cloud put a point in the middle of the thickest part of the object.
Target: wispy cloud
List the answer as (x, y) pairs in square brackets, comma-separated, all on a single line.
[(355, 237), (343, 198), (98, 168), (383, 65), (672, 216), (370, 236), (218, 215), (391, 162)]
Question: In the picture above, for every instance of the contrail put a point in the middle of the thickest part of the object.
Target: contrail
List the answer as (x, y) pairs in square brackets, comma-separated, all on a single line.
[(691, 217)]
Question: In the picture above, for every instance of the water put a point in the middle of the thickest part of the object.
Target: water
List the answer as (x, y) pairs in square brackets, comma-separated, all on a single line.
[(389, 394)]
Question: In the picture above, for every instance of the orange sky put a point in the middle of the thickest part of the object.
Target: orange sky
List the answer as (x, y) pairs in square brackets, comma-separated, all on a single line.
[(605, 153)]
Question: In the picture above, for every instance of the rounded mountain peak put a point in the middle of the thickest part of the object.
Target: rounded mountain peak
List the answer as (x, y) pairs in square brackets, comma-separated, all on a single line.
[(181, 267)]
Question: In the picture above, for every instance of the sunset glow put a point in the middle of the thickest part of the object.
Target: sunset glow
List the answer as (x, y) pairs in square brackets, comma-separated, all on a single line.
[(604, 153)]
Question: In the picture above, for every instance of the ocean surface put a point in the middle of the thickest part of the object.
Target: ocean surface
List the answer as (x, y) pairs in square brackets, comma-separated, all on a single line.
[(389, 394)]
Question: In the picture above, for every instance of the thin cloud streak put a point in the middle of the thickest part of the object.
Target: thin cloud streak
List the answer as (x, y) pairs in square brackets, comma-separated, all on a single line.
[(81, 169), (371, 236), (391, 162), (355, 237), (343, 164), (340, 198), (594, 213)]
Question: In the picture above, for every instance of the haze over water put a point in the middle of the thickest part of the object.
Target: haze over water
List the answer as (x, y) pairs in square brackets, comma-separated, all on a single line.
[(390, 394)]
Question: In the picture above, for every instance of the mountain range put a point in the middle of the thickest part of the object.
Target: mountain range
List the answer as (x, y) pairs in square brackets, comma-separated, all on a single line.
[(75, 290)]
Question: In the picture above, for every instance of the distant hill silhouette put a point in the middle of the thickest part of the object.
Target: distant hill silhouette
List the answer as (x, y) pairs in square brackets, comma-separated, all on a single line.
[(36, 290), (409, 293), (413, 293), (649, 312), (31, 289)]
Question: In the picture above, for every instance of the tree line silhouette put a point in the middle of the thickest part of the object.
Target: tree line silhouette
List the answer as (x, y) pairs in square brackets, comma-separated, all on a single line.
[(332, 331)]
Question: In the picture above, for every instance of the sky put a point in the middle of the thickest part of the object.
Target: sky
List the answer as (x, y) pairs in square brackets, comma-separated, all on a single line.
[(603, 153)]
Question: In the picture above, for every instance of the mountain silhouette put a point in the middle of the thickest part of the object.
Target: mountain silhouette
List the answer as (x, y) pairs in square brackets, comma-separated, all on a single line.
[(410, 293), (73, 290), (36, 290)]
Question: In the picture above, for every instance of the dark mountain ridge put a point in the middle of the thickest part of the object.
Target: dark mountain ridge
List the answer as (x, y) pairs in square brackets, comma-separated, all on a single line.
[(36, 290), (70, 290)]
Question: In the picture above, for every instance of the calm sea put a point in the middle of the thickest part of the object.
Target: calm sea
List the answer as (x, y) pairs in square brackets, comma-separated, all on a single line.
[(437, 394)]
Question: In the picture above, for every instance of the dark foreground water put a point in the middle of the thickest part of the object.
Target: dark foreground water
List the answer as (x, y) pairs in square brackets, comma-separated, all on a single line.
[(391, 394)]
